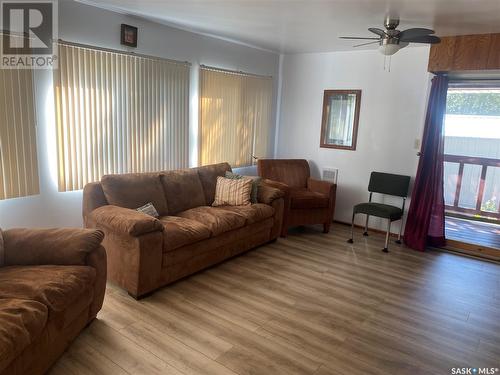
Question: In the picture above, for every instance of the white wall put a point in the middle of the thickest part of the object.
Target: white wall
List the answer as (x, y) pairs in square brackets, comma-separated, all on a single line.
[(391, 119), (89, 25)]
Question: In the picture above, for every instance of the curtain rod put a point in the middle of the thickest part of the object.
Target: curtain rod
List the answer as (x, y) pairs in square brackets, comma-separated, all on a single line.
[(87, 46), (237, 72)]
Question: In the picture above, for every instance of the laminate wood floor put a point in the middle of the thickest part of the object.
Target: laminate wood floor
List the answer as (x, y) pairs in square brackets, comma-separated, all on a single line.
[(307, 304)]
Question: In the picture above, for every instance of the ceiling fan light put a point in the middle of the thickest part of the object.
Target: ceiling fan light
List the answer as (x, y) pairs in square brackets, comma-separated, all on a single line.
[(389, 49)]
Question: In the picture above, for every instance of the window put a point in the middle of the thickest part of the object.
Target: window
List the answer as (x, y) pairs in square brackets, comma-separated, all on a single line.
[(118, 113), (235, 117), (18, 154)]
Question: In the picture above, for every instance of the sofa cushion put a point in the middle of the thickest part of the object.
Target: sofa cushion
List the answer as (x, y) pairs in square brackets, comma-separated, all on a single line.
[(216, 219), (133, 190), (208, 177), (21, 322), (183, 190), (57, 287), (252, 213), (232, 192), (184, 257), (2, 250), (301, 198), (179, 231)]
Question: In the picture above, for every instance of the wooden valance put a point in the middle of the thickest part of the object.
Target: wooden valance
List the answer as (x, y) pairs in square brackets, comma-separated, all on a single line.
[(465, 53)]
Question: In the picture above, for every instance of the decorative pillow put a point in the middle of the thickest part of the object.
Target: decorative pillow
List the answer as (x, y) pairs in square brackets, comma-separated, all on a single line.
[(148, 209), (232, 192), (2, 251), (255, 184), (132, 190)]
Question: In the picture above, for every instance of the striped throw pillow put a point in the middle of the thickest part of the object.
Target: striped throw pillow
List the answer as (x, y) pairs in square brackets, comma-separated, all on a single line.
[(232, 192), (255, 184), (148, 209)]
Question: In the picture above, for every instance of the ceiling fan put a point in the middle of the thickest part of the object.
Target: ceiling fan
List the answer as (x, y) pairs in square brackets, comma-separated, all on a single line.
[(392, 40)]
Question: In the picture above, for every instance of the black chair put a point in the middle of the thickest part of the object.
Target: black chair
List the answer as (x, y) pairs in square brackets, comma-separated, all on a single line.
[(388, 184)]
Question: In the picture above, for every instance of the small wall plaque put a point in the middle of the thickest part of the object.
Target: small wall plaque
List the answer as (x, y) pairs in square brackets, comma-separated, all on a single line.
[(128, 35)]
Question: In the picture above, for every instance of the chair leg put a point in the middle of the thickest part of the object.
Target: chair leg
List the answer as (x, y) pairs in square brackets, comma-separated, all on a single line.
[(284, 232), (365, 233), (398, 241), (351, 240), (326, 227), (386, 247)]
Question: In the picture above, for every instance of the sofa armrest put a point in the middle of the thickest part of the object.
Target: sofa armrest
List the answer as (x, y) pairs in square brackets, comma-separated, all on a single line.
[(63, 246), (323, 187), (284, 188), (267, 194), (276, 184), (285, 206), (125, 220), (134, 247)]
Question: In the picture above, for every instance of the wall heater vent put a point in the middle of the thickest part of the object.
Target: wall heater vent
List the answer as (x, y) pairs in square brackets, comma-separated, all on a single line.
[(330, 174)]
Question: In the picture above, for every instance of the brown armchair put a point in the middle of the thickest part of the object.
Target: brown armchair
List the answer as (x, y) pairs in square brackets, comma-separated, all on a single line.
[(307, 201), (52, 284)]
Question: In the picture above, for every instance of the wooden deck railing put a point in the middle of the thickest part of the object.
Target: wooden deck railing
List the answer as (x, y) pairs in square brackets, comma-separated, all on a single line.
[(485, 163)]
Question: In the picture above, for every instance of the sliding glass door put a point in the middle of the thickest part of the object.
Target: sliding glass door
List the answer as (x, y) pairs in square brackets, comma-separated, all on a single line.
[(472, 163)]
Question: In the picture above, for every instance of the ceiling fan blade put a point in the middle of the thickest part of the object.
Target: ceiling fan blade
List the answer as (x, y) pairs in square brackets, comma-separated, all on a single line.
[(429, 39), (356, 37), (379, 32), (412, 33), (365, 44)]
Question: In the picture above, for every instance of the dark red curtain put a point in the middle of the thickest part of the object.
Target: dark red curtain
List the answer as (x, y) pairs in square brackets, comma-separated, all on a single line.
[(425, 223)]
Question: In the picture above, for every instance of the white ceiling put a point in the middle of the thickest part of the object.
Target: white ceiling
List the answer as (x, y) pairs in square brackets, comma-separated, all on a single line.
[(293, 26)]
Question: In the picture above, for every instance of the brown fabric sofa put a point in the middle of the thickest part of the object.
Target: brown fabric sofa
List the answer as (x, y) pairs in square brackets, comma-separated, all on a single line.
[(52, 284), (145, 253), (307, 201)]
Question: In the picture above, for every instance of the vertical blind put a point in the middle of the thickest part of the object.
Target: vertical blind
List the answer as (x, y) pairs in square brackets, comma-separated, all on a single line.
[(235, 117), (18, 154), (118, 113)]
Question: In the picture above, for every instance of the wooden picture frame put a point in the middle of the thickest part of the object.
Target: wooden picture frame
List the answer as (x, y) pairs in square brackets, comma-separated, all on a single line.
[(128, 35), (340, 129)]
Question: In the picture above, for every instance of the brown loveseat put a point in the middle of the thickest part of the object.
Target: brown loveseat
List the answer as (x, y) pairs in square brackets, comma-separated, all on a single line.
[(52, 284), (307, 201), (145, 253)]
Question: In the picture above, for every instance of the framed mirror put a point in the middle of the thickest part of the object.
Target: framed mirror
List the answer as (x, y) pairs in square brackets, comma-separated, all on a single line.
[(339, 127)]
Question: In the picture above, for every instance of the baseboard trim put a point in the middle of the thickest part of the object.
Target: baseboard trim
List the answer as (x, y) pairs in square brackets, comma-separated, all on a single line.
[(476, 251)]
